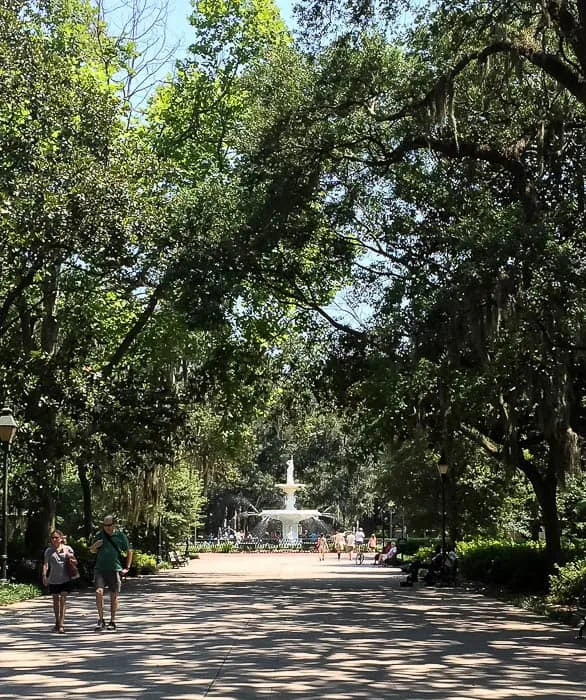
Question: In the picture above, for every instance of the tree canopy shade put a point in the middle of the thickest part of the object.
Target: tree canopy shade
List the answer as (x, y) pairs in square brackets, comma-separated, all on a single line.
[(127, 264), (63, 202), (453, 161), (159, 275)]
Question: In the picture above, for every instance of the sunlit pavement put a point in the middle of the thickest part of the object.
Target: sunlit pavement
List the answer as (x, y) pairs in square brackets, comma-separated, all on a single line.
[(243, 626)]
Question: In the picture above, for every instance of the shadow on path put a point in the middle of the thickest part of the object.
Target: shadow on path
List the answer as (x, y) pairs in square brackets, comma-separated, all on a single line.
[(304, 631)]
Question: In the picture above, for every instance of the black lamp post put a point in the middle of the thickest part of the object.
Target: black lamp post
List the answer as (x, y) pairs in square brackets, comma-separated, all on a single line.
[(160, 540), (442, 468), (7, 430), (383, 525)]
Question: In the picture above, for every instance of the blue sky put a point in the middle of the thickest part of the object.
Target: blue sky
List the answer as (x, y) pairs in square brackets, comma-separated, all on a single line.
[(162, 52)]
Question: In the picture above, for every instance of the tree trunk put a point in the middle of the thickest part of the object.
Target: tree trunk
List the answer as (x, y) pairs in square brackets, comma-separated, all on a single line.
[(545, 488), (42, 409), (40, 523), (551, 523), (82, 471)]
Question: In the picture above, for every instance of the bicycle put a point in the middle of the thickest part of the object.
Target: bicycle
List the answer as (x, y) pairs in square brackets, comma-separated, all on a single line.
[(359, 554)]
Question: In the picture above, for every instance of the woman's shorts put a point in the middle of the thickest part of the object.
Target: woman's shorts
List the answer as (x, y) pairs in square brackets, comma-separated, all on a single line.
[(108, 578), (55, 588)]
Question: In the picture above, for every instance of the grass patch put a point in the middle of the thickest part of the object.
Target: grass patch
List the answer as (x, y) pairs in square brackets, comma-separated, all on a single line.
[(15, 592)]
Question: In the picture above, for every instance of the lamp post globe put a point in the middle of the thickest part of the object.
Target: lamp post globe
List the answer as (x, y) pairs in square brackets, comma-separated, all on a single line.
[(7, 431)]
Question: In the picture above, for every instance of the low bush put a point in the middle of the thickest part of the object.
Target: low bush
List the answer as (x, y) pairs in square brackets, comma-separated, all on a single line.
[(414, 544), (425, 553), (226, 547), (520, 567), (144, 563), (25, 571), (223, 547), (15, 592), (568, 583)]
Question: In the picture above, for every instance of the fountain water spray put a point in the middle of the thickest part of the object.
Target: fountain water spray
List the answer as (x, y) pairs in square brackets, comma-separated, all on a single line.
[(290, 516)]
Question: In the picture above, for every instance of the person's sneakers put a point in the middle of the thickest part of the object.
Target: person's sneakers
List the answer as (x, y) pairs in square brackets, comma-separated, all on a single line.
[(101, 625), (111, 625)]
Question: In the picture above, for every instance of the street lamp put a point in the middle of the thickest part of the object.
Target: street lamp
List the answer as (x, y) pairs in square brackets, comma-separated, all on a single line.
[(160, 540), (442, 468), (7, 430), (383, 524)]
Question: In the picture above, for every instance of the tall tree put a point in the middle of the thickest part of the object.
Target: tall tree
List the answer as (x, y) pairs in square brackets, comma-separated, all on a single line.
[(451, 190)]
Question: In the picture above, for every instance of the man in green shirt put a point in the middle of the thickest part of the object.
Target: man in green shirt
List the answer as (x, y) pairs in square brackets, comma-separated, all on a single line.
[(109, 544)]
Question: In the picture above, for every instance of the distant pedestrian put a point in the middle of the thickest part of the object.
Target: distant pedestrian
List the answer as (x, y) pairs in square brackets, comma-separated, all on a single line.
[(322, 547), (372, 542), (109, 545), (57, 559), (350, 544), (339, 542)]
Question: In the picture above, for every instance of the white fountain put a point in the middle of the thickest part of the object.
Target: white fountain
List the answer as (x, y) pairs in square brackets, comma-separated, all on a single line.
[(289, 516)]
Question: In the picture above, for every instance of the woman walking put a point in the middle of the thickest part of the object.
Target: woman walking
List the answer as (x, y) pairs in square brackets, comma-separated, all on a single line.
[(322, 547), (56, 562)]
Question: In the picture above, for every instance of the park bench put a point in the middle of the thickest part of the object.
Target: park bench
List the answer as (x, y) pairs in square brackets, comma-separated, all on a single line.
[(176, 560)]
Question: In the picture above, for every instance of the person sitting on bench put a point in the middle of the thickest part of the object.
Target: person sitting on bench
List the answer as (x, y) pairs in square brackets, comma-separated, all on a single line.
[(387, 556)]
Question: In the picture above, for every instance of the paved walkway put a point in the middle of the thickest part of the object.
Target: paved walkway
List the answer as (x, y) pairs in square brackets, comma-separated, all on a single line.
[(244, 626)]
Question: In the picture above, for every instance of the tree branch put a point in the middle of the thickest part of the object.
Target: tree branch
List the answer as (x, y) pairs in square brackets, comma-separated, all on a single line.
[(134, 331), (549, 63), (16, 292), (493, 448)]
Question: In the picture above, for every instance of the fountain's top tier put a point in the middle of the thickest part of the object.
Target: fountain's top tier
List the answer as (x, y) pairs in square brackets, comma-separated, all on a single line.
[(289, 487), (289, 515)]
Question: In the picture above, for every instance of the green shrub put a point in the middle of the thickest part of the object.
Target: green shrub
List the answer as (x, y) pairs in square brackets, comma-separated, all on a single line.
[(568, 583), (25, 571), (425, 553), (214, 547), (521, 567), (414, 544), (144, 563), (15, 592), (225, 547)]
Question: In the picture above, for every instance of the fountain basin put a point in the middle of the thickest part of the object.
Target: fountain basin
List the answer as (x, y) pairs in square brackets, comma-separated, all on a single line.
[(282, 513)]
